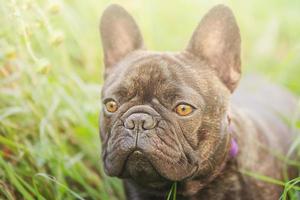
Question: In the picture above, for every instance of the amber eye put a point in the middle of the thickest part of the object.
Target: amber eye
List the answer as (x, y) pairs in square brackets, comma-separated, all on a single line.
[(184, 109), (111, 106)]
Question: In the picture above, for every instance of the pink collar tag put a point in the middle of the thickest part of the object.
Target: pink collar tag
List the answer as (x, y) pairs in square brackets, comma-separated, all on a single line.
[(234, 148)]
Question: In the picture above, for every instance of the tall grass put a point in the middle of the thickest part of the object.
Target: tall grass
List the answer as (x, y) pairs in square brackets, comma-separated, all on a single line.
[(50, 81)]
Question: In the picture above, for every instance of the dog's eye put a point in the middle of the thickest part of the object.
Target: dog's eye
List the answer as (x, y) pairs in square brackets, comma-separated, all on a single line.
[(184, 109), (111, 106)]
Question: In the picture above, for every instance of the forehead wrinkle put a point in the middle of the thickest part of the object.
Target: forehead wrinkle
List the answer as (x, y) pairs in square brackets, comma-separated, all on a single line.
[(150, 78), (157, 76), (160, 78), (187, 80), (118, 87)]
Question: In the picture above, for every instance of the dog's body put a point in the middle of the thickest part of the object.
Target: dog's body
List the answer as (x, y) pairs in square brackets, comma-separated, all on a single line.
[(150, 144), (256, 127)]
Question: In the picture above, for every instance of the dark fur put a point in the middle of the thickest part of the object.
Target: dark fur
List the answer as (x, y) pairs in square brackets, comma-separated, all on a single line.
[(192, 150)]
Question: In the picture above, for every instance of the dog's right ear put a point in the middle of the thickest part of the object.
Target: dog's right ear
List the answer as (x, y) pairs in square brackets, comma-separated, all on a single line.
[(120, 35), (217, 40)]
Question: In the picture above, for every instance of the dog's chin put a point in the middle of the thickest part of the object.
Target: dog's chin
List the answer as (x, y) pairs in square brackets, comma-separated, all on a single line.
[(140, 169)]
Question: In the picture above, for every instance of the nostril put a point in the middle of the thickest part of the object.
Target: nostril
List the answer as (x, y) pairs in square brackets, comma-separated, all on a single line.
[(148, 123), (129, 124)]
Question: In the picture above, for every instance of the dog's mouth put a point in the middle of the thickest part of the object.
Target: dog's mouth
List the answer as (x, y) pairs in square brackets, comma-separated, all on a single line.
[(139, 168), (144, 170)]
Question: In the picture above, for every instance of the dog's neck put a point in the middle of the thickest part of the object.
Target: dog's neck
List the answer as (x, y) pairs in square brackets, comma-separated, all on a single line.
[(192, 187)]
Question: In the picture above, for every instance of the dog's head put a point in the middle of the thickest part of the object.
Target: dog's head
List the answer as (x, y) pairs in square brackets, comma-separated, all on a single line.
[(164, 114)]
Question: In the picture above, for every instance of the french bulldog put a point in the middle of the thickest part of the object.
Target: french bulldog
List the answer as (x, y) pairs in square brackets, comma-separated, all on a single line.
[(180, 117)]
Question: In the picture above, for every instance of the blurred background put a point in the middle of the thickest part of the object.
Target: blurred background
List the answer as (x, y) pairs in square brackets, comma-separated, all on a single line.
[(51, 75)]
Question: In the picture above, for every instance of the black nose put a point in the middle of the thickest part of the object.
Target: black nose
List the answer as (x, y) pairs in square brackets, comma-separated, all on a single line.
[(140, 121)]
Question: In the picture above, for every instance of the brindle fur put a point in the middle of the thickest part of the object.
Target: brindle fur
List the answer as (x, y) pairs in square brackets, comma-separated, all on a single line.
[(191, 150)]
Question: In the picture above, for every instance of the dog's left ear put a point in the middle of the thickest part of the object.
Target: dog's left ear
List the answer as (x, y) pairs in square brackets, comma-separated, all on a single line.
[(120, 35), (217, 40)]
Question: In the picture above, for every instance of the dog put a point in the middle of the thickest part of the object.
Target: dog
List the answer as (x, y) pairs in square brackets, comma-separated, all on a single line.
[(181, 117)]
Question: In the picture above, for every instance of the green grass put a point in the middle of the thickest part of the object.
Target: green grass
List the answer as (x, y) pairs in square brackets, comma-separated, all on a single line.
[(51, 76), (172, 192)]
